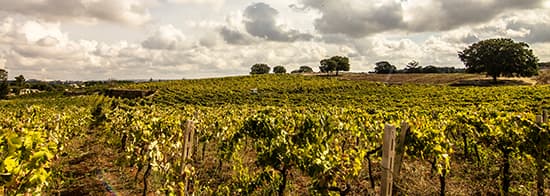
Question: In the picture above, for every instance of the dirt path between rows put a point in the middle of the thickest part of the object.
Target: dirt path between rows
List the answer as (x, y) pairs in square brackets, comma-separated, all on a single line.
[(87, 167)]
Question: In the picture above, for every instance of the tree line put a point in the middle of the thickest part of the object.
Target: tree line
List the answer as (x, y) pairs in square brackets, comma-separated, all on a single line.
[(262, 68), (6, 87), (384, 67), (19, 83), (329, 65), (493, 57)]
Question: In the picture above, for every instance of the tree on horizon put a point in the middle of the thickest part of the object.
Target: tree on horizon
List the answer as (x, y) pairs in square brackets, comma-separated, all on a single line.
[(500, 57)]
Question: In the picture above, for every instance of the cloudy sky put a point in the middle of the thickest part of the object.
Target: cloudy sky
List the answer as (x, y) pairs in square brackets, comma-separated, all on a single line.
[(174, 39)]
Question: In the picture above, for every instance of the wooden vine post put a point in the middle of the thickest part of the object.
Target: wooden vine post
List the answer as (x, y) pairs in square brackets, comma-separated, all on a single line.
[(188, 145), (540, 156), (400, 150), (388, 153)]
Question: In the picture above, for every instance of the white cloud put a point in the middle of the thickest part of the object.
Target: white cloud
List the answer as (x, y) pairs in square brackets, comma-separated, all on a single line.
[(166, 37), (2, 62), (542, 50), (34, 31), (35, 42), (47, 41)]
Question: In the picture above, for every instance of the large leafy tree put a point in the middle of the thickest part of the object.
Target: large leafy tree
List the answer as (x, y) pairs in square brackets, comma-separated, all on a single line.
[(20, 83), (384, 67), (335, 63), (4, 89), (279, 69), (500, 57), (259, 69), (327, 66), (305, 69)]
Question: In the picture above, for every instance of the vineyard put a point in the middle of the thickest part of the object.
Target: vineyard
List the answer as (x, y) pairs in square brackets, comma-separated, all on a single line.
[(281, 135)]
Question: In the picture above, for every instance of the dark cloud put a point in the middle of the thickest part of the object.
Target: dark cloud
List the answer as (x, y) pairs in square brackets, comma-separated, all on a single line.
[(234, 37), (119, 11), (260, 22), (538, 32), (356, 18), (450, 14), (361, 18)]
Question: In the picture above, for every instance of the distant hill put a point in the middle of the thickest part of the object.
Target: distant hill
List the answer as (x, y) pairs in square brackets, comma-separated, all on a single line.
[(545, 65)]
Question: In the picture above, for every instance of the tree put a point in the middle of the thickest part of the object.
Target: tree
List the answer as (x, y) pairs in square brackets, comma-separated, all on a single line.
[(305, 69), (413, 67), (335, 63), (327, 66), (279, 69), (4, 89), (384, 67), (20, 80), (259, 69), (430, 69), (20, 83), (500, 57)]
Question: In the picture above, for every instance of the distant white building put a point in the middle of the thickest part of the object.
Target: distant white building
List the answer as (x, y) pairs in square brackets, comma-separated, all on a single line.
[(75, 86), (27, 91)]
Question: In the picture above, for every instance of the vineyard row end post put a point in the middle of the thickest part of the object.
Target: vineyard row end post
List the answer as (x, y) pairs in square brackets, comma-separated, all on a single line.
[(400, 150), (188, 144), (539, 158), (388, 155)]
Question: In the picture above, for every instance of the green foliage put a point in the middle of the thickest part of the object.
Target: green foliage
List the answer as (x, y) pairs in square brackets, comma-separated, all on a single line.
[(279, 69), (30, 139), (20, 81), (3, 75), (500, 57), (413, 67), (259, 69), (295, 126), (298, 90), (384, 67), (4, 87), (303, 69), (335, 63), (19, 84), (44, 86)]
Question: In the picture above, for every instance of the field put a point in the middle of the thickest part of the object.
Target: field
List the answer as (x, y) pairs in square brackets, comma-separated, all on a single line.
[(280, 135)]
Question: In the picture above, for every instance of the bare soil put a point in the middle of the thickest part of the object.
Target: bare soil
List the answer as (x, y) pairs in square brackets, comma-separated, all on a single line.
[(88, 167), (454, 79)]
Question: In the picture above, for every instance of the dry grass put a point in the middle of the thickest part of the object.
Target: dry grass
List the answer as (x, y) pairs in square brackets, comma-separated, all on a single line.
[(455, 79), (544, 77), (411, 78)]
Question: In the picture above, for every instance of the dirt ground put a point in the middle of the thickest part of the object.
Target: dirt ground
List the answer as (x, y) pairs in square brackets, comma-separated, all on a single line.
[(88, 167), (454, 79)]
